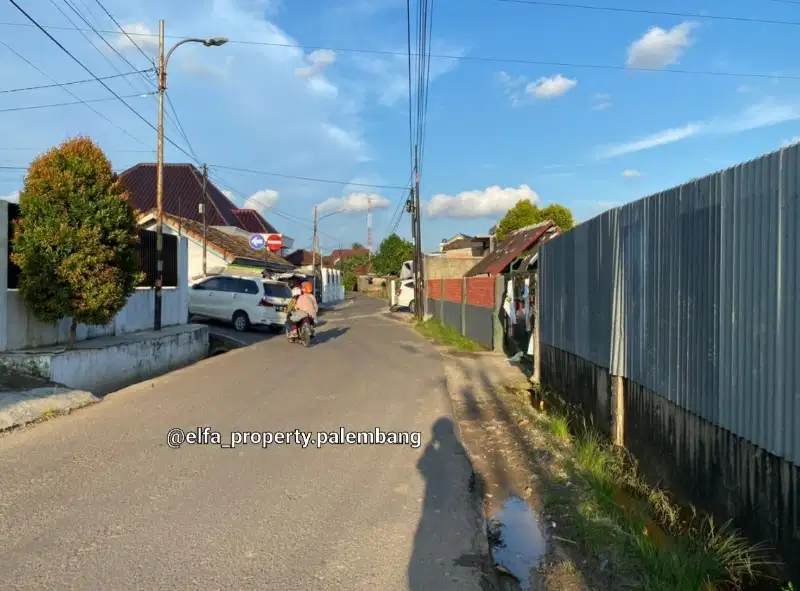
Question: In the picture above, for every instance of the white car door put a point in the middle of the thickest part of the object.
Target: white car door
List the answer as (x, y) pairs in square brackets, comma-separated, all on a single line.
[(246, 297), (221, 301), (200, 297)]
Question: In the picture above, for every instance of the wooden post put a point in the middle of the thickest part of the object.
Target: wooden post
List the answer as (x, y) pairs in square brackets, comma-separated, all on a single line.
[(537, 351), (617, 411)]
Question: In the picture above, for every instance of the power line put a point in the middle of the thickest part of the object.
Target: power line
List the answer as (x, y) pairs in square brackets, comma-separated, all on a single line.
[(82, 102), (61, 84), (472, 58), (305, 178), (147, 57), (68, 91), (82, 65), (181, 131), (617, 9)]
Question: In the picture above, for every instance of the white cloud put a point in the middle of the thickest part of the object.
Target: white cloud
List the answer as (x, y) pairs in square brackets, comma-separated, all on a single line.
[(764, 114), (490, 202), (347, 140), (791, 142), (354, 203), (261, 200), (660, 138), (228, 194), (139, 33), (550, 88), (631, 173), (657, 48), (388, 76), (318, 60), (13, 197), (601, 106), (745, 89), (520, 91), (602, 96)]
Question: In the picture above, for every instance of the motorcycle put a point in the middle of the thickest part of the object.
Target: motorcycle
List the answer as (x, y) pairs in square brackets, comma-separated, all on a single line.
[(302, 332)]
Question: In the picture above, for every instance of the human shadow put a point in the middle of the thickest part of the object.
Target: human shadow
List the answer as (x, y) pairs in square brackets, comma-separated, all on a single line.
[(450, 541), (330, 334)]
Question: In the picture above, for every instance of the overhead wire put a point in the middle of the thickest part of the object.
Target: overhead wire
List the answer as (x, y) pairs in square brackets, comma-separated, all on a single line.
[(74, 82), (80, 63), (80, 102), (620, 9), (304, 178), (472, 58), (68, 91)]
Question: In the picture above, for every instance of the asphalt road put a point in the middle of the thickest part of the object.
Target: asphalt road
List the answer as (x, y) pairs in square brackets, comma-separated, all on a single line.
[(97, 500)]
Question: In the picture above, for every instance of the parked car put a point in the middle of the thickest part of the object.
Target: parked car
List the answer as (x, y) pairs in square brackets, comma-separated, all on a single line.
[(243, 301), (404, 294)]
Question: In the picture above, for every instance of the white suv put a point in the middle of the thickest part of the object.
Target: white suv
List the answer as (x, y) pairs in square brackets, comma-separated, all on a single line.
[(404, 296), (244, 301)]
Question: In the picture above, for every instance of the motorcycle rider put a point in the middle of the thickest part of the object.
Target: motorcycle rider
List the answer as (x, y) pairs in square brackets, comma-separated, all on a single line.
[(303, 304)]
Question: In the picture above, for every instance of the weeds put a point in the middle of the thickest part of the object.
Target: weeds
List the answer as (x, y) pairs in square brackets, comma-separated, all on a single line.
[(447, 335), (647, 541)]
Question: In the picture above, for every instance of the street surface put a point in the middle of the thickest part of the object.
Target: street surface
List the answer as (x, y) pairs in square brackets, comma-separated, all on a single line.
[(97, 499)]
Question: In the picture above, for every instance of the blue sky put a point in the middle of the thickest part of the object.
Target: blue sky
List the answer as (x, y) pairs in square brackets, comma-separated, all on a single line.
[(588, 138)]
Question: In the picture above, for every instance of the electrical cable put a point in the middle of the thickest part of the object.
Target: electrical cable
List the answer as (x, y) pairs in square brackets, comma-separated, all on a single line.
[(72, 94), (303, 178), (80, 63), (81, 102), (86, 80)]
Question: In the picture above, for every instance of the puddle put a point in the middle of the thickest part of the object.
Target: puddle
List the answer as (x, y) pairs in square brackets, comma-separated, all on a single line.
[(517, 540)]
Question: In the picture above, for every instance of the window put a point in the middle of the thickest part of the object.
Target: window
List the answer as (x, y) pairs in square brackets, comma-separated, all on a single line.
[(247, 286), (211, 285), (409, 284), (277, 290)]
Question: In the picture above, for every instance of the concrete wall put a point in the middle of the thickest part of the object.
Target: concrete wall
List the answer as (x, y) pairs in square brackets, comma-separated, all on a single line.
[(442, 267), (332, 286), (466, 304), (20, 329), (115, 365)]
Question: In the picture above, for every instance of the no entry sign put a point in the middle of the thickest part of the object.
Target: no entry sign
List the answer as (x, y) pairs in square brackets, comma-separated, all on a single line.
[(274, 242)]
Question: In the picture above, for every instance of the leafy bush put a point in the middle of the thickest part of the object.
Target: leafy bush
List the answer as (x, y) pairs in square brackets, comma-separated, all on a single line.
[(75, 240)]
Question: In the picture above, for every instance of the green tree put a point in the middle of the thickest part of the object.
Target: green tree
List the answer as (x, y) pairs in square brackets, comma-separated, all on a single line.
[(525, 213), (391, 254), (75, 240), (348, 267), (357, 246)]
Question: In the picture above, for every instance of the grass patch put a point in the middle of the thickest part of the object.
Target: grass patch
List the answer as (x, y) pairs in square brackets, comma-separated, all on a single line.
[(447, 335), (640, 536)]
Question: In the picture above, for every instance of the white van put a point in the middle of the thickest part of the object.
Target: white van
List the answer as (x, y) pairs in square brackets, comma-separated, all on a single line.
[(243, 301), (407, 270)]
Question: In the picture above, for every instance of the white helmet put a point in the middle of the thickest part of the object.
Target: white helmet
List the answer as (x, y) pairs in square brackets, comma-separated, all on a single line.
[(296, 292)]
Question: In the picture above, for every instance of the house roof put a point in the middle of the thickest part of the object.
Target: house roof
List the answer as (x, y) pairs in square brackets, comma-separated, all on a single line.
[(183, 194), (230, 246), (509, 249), (347, 253), (301, 257), (253, 221), (467, 242)]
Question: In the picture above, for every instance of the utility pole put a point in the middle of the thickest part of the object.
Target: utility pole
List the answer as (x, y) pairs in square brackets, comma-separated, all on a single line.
[(162, 85), (419, 291), (205, 224), (314, 251)]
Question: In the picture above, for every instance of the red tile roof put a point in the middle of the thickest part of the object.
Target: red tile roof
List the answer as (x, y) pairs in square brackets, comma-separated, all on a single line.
[(301, 257), (509, 249), (348, 253), (253, 221), (183, 194)]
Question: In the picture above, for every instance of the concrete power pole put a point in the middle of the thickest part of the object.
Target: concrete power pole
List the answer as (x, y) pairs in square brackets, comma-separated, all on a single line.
[(204, 206), (314, 251), (369, 226), (162, 85), (419, 291)]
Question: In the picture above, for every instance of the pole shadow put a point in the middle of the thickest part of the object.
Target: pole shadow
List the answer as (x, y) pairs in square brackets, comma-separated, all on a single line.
[(450, 550)]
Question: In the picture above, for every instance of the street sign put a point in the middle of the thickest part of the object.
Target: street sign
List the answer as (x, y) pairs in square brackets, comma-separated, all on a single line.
[(274, 242), (257, 242)]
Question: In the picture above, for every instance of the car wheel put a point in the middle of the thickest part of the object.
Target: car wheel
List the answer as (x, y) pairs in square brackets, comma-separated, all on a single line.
[(241, 322), (412, 307)]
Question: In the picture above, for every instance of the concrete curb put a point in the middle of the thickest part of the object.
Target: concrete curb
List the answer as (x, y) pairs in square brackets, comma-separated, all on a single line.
[(18, 409)]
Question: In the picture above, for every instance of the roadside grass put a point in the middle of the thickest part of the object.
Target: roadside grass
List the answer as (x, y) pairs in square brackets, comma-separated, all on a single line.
[(639, 534), (447, 336)]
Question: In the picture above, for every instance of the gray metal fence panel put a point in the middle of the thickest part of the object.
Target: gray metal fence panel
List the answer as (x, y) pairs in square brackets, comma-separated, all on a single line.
[(576, 272)]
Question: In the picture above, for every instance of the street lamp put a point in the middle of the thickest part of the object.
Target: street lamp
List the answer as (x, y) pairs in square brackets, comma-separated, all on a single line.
[(162, 87), (315, 243)]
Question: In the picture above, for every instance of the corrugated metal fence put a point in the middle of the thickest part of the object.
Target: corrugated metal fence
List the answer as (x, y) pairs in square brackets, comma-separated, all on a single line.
[(693, 293)]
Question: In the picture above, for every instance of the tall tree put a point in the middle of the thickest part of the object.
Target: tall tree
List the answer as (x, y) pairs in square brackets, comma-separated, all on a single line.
[(391, 254), (75, 241), (357, 246), (526, 213)]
